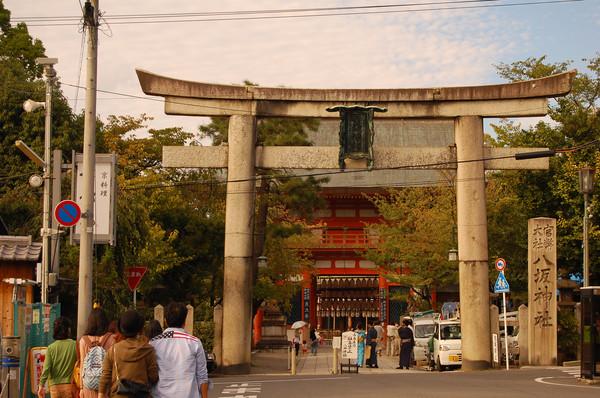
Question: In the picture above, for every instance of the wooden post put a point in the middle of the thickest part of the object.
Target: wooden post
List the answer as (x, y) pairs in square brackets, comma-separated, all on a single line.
[(189, 319), (293, 360), (495, 330), (218, 334), (578, 316), (335, 361), (159, 315), (523, 338)]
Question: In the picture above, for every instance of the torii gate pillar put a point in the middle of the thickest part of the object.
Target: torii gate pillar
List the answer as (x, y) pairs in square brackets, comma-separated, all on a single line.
[(472, 241), (239, 224)]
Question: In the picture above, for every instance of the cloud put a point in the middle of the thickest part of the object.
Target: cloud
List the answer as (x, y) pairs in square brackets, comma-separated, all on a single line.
[(425, 49)]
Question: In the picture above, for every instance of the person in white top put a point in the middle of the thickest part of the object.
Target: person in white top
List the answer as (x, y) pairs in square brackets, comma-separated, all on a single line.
[(380, 337), (392, 335), (181, 360)]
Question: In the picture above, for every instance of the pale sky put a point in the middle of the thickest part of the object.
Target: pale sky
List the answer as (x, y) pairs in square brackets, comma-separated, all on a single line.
[(387, 50)]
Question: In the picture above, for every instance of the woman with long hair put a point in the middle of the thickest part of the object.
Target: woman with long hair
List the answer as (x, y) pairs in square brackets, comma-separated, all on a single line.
[(96, 335), (153, 329)]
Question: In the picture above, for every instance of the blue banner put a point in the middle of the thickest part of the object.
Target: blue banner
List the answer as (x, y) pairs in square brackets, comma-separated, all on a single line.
[(306, 304)]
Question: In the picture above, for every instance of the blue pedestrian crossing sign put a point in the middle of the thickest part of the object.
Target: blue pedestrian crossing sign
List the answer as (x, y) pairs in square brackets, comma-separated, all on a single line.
[(501, 285)]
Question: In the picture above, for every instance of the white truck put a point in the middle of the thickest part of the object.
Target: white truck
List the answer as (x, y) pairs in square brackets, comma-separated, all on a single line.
[(445, 345), (424, 328)]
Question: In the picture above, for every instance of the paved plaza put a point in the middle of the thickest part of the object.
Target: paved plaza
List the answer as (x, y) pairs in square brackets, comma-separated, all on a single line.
[(276, 362), (271, 378)]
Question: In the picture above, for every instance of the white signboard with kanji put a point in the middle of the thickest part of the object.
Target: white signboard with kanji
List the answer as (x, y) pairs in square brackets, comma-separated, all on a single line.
[(105, 184), (349, 345)]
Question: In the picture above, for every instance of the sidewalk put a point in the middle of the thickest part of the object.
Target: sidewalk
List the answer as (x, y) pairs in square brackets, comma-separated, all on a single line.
[(276, 363)]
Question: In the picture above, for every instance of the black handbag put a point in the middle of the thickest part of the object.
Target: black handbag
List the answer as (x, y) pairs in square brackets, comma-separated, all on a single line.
[(132, 388), (129, 387)]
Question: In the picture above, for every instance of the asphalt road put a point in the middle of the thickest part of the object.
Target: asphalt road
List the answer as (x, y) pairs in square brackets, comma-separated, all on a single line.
[(528, 382)]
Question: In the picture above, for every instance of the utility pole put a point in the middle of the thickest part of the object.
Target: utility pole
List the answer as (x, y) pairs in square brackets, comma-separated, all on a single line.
[(86, 254)]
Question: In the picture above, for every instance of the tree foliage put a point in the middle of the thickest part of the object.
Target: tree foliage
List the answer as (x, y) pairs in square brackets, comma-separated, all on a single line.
[(415, 235), (574, 122), (171, 222), (20, 79), (507, 234)]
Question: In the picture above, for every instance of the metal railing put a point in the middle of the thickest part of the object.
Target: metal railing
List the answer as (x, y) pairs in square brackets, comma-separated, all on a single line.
[(334, 237)]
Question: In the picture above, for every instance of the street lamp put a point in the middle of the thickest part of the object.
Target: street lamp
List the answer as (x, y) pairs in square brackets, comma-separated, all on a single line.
[(262, 262), (586, 187), (452, 255), (30, 106), (30, 153)]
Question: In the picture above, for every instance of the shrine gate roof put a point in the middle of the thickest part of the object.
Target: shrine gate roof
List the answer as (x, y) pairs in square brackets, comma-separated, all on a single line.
[(551, 86)]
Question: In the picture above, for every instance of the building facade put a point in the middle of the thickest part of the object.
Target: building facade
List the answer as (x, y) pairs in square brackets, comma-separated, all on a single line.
[(18, 258)]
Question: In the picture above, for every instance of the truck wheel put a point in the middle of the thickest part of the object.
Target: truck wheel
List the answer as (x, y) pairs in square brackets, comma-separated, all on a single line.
[(438, 365)]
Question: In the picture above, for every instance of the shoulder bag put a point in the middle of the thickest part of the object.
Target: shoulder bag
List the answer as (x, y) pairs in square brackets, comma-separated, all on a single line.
[(129, 387)]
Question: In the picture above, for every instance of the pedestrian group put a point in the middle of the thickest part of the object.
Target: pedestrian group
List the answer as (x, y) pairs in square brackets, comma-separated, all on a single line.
[(121, 360), (370, 344)]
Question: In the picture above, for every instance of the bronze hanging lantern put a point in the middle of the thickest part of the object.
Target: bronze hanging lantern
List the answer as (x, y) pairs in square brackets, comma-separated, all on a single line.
[(356, 132)]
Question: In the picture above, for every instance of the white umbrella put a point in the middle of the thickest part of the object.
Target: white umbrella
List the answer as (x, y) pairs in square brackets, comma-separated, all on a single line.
[(298, 324)]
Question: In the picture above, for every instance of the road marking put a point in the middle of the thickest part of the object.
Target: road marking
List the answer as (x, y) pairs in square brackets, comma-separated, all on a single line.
[(543, 381), (285, 380), (240, 390), (251, 389), (572, 370)]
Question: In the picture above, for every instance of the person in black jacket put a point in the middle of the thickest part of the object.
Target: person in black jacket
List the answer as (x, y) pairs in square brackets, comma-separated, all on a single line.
[(407, 342), (314, 341), (372, 342)]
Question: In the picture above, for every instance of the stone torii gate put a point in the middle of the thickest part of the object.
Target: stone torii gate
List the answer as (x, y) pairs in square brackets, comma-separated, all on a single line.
[(467, 106)]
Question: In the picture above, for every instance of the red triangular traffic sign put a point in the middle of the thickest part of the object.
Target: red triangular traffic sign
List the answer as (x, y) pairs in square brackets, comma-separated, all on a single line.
[(134, 276)]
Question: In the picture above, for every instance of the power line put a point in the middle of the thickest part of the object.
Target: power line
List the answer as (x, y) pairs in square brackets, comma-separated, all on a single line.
[(80, 65), (317, 15), (241, 111), (248, 12), (328, 173), (416, 183)]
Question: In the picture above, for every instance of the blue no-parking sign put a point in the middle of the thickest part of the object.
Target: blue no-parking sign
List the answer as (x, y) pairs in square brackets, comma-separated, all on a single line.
[(67, 213)]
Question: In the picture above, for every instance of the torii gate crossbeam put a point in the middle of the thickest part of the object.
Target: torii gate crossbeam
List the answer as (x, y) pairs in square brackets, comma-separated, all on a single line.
[(467, 106)]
